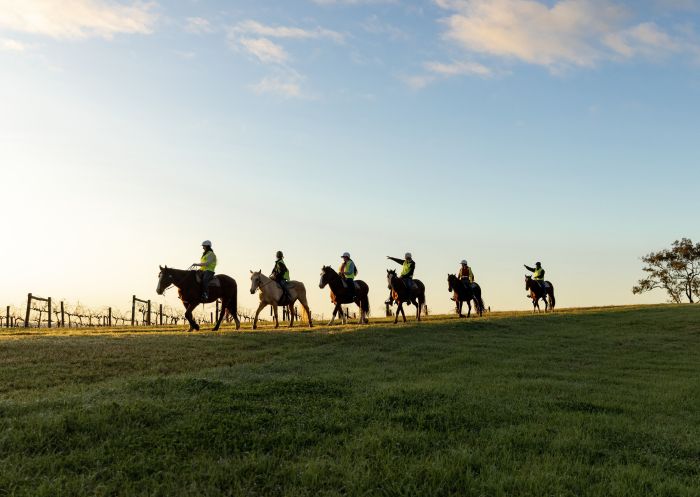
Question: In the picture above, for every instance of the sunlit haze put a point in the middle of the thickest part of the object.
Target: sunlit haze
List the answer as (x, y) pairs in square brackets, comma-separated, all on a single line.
[(504, 131)]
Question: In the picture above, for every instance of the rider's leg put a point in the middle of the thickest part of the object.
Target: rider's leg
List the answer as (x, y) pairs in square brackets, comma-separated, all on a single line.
[(206, 279)]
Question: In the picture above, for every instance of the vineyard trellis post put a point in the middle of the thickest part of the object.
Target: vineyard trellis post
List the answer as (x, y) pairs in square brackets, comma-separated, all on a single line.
[(160, 315), (30, 298), (63, 315), (7, 317), (133, 310)]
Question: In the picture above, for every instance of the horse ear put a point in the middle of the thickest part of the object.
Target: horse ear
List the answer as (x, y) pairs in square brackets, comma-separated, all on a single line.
[(161, 267), (251, 271)]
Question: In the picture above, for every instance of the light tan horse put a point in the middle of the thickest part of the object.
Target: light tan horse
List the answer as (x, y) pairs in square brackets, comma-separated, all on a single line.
[(271, 293)]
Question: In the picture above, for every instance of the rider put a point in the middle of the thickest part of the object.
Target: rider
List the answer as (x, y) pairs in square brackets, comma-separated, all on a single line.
[(538, 273), (207, 265), (280, 273), (407, 270), (465, 273), (348, 272)]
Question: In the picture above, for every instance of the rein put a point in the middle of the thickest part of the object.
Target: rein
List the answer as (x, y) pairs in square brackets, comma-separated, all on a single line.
[(172, 283)]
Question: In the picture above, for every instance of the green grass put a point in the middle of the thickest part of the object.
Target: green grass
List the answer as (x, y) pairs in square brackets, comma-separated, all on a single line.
[(598, 402)]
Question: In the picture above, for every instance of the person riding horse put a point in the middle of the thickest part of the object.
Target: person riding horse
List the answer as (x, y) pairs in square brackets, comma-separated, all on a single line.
[(348, 272), (206, 265), (407, 270), (538, 273), (465, 274), (280, 274)]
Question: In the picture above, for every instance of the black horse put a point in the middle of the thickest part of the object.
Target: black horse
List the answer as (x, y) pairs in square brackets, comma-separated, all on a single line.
[(401, 293), (340, 294), (465, 293), (190, 293), (540, 290)]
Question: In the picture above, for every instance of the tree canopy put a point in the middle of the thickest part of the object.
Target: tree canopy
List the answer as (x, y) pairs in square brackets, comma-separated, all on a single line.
[(675, 270)]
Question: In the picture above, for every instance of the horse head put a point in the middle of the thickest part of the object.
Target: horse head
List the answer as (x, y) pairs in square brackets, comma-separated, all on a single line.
[(165, 279), (326, 276), (390, 277), (528, 281), (451, 282), (255, 280)]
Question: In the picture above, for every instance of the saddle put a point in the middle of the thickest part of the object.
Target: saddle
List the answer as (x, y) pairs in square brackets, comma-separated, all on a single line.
[(213, 283), (543, 284)]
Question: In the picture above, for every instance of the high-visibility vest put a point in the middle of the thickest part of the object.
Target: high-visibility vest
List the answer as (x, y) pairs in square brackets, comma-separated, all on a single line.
[(406, 269), (538, 274), (285, 276), (348, 269), (209, 261)]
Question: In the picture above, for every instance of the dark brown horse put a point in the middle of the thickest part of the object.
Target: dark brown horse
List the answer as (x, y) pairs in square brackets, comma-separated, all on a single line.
[(190, 292), (465, 293), (400, 293), (340, 294), (537, 292)]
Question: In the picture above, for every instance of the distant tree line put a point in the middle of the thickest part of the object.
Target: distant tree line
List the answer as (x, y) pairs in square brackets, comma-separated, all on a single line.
[(675, 270)]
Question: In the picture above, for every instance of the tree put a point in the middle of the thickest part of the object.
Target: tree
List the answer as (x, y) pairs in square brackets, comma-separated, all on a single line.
[(676, 270)]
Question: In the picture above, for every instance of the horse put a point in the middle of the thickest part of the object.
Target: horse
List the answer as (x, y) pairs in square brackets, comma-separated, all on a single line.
[(339, 294), (189, 291), (465, 293), (537, 292), (400, 293), (271, 293)]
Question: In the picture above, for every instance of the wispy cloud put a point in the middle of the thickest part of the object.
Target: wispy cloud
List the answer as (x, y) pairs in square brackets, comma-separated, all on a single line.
[(568, 33), (10, 45), (198, 25), (352, 2), (257, 28), (76, 19), (287, 87), (265, 50)]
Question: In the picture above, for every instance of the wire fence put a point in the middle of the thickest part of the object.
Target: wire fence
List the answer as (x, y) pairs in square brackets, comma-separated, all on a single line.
[(45, 312)]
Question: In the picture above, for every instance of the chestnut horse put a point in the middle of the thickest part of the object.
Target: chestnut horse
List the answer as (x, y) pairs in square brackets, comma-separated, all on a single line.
[(400, 293), (537, 292), (340, 294), (190, 292), (465, 293)]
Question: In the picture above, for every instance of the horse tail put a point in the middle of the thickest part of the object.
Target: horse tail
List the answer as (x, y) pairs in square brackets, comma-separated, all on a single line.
[(479, 300), (233, 301), (552, 300)]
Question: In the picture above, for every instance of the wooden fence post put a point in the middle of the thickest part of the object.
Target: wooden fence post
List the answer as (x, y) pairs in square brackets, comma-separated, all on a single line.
[(148, 308), (29, 308), (63, 316), (160, 313), (109, 317), (133, 309), (49, 305), (7, 317)]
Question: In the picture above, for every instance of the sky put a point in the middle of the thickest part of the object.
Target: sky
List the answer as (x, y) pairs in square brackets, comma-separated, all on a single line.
[(503, 131)]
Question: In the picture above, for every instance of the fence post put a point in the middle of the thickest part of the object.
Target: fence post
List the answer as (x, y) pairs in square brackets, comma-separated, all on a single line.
[(109, 317), (29, 308), (63, 317), (160, 313), (217, 310), (7, 317), (148, 319), (49, 304), (133, 309)]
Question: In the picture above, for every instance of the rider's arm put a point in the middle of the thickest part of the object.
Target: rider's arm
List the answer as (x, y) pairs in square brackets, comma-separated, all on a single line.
[(531, 269), (397, 261)]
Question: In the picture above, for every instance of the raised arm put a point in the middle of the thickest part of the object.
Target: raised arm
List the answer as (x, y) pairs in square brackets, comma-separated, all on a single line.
[(396, 260), (531, 269)]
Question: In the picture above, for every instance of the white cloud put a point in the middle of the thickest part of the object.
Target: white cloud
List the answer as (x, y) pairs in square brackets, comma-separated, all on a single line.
[(264, 49), (256, 28), (198, 25), (564, 34), (352, 2), (10, 45), (76, 19), (458, 68), (275, 85)]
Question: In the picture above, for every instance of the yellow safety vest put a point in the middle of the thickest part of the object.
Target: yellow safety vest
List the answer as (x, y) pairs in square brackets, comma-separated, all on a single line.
[(209, 261)]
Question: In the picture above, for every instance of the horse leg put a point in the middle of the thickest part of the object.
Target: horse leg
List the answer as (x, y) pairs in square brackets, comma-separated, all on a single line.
[(220, 317), (398, 311), (277, 321), (290, 307), (234, 312), (190, 319), (469, 308), (419, 308), (257, 313), (335, 311)]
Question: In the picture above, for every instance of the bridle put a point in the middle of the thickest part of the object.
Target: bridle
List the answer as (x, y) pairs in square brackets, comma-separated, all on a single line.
[(172, 279)]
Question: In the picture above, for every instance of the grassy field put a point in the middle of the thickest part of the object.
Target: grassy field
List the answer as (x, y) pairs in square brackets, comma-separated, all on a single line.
[(597, 402)]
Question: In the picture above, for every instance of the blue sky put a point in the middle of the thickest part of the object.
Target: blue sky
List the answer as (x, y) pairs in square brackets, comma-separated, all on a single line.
[(506, 132)]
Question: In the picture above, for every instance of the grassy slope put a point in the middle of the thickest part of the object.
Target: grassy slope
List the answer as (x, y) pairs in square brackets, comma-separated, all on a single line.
[(597, 402)]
